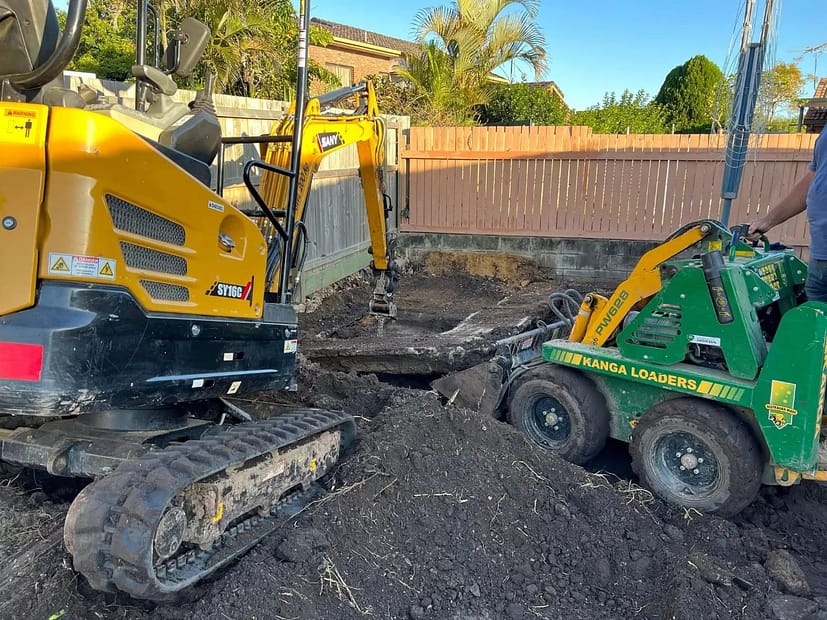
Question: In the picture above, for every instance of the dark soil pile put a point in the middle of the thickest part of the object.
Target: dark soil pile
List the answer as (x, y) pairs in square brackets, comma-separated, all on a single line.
[(439, 513)]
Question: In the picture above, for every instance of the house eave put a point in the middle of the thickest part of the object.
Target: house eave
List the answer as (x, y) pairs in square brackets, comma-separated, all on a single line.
[(360, 46)]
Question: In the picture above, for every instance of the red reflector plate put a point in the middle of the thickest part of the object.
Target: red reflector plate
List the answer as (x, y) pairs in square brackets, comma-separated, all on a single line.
[(21, 362)]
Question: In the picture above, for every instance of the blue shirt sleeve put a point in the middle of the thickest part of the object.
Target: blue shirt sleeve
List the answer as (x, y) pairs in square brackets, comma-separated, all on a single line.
[(814, 163)]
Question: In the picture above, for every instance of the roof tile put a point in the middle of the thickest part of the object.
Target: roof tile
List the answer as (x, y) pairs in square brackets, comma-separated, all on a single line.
[(365, 36), (817, 116)]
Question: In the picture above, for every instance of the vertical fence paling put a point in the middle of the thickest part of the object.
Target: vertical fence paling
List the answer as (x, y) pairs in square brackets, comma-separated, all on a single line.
[(569, 182)]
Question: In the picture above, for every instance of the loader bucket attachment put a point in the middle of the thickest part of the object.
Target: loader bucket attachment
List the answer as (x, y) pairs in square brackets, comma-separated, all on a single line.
[(483, 387), (477, 388)]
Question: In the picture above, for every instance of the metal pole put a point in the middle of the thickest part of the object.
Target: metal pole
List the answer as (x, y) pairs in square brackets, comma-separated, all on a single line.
[(749, 16), (748, 80), (156, 35), (140, 50), (295, 155), (219, 171)]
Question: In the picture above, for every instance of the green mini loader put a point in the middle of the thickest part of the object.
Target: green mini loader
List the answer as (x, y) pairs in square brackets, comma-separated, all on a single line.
[(707, 360)]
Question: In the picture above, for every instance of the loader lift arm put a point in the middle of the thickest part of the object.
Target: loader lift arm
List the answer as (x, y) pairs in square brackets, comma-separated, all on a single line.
[(600, 317), (323, 134)]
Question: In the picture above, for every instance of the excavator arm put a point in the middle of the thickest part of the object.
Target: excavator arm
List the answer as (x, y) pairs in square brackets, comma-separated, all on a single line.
[(600, 317), (324, 134)]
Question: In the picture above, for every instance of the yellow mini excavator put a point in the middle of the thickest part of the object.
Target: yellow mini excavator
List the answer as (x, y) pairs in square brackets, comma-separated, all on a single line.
[(135, 300)]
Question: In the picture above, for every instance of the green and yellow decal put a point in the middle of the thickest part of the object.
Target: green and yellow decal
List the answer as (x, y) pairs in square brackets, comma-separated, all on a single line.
[(671, 378)]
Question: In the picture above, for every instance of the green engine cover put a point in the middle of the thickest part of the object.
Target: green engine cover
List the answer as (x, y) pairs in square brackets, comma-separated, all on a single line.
[(683, 317)]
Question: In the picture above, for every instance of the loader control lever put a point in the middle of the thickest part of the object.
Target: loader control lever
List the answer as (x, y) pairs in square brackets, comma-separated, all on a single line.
[(741, 232)]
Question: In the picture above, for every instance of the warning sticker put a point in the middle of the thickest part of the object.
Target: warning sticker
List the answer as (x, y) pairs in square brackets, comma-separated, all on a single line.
[(234, 386), (291, 346), (19, 125), (83, 266), (60, 265)]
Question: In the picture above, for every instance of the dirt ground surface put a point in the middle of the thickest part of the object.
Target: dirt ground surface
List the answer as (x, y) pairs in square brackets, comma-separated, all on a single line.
[(440, 513)]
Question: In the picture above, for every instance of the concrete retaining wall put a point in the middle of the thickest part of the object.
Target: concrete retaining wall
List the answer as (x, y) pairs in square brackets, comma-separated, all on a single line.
[(601, 260)]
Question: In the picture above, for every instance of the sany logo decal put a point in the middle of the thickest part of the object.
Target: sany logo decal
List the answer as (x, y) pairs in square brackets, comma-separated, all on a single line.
[(327, 141), (232, 291)]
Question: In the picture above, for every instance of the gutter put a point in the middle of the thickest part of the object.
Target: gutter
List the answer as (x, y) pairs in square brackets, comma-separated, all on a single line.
[(366, 47)]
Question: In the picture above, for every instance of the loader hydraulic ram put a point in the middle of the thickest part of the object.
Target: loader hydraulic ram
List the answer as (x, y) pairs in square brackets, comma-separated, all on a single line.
[(132, 307), (707, 360)]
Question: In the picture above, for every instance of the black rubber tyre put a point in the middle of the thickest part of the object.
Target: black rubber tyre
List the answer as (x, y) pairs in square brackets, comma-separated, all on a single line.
[(561, 410), (697, 454)]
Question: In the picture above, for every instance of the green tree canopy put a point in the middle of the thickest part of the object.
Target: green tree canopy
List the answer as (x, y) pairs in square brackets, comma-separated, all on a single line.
[(518, 104), (398, 96), (107, 41), (689, 95), (252, 51), (632, 113), (463, 44), (780, 89), (253, 46)]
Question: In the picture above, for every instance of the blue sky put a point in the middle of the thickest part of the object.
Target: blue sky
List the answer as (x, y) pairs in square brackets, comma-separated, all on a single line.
[(595, 46)]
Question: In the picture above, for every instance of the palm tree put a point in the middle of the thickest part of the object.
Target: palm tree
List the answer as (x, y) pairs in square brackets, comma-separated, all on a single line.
[(464, 44), (253, 47)]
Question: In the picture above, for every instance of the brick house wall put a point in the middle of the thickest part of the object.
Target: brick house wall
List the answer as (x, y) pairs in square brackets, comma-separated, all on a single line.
[(354, 53), (362, 63)]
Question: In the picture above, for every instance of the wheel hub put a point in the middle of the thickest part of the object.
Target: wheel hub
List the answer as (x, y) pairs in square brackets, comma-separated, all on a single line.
[(551, 418), (170, 532), (685, 463), (689, 460), (550, 421)]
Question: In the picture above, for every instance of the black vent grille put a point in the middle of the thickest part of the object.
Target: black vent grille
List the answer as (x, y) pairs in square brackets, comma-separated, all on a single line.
[(133, 219), (660, 328), (162, 291), (139, 257)]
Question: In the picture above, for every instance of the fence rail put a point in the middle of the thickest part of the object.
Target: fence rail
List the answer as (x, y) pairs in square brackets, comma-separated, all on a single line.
[(569, 182)]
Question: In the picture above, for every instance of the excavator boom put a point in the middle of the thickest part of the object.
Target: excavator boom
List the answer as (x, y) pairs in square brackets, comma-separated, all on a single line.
[(325, 133)]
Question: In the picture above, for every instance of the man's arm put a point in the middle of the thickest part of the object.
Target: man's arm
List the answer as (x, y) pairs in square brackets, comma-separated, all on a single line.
[(794, 203)]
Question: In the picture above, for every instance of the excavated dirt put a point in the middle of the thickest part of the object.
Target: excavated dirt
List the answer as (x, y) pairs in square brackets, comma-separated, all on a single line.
[(440, 513), (449, 315)]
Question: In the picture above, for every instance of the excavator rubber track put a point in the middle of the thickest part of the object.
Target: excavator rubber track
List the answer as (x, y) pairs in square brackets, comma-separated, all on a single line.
[(111, 527)]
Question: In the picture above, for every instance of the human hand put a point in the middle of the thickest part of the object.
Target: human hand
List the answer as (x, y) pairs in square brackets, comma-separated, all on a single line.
[(757, 229)]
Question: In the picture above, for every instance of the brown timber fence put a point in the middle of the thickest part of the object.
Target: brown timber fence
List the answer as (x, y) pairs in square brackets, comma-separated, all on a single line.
[(569, 182)]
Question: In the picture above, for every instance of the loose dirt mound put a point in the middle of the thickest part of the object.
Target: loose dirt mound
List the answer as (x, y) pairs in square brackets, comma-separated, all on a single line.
[(440, 513)]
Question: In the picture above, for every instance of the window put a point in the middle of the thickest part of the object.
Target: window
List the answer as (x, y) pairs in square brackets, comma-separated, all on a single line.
[(343, 72), (398, 65)]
